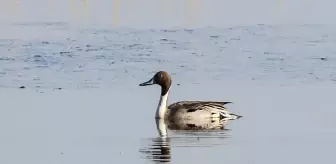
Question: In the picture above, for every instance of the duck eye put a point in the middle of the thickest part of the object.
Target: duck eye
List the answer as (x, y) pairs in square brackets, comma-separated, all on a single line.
[(160, 75)]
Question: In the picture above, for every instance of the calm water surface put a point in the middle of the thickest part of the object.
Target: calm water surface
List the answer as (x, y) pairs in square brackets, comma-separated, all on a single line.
[(82, 102)]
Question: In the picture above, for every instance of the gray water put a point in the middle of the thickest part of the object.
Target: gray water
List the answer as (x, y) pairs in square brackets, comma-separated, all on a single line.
[(81, 102)]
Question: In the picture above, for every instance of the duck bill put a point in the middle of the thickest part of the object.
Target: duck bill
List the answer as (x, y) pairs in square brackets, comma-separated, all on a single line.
[(149, 82)]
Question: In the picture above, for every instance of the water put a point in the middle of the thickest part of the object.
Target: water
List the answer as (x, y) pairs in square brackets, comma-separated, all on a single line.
[(95, 58), (81, 102), (280, 124)]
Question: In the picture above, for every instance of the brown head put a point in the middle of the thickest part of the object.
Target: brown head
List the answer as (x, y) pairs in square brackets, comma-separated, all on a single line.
[(161, 78)]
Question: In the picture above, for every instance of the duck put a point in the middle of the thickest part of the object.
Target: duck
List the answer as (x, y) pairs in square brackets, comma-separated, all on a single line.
[(186, 110)]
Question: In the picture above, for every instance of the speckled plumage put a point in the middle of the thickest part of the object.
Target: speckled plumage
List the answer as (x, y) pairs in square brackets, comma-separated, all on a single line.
[(197, 109)]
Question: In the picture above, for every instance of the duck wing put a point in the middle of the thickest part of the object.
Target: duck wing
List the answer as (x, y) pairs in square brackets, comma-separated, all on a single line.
[(192, 106)]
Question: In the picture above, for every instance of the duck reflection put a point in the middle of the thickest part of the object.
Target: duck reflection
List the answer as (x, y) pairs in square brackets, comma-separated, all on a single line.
[(186, 133), (158, 149)]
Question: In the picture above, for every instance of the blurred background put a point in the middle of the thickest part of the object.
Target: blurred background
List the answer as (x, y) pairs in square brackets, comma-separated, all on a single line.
[(169, 13)]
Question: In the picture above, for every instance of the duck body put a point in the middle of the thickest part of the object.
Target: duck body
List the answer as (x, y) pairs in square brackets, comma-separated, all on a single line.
[(198, 110), (198, 115)]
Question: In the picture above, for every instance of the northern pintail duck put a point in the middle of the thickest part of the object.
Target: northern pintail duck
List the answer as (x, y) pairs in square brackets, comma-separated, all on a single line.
[(196, 110)]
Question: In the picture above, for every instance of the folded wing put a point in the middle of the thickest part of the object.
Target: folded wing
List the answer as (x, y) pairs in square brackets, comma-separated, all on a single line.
[(193, 106)]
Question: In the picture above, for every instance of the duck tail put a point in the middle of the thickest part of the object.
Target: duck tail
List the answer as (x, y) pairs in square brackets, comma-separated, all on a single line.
[(229, 116), (235, 116)]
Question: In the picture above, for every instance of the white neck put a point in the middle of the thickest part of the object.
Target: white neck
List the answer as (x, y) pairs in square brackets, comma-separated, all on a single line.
[(161, 127), (162, 107)]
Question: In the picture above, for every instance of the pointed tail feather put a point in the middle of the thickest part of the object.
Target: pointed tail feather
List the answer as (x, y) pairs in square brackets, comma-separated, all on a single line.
[(229, 116), (235, 116)]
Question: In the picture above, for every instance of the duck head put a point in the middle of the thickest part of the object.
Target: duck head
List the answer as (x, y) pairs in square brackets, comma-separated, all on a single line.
[(161, 78)]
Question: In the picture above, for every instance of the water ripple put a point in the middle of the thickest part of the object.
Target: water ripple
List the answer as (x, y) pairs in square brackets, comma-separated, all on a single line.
[(261, 54)]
